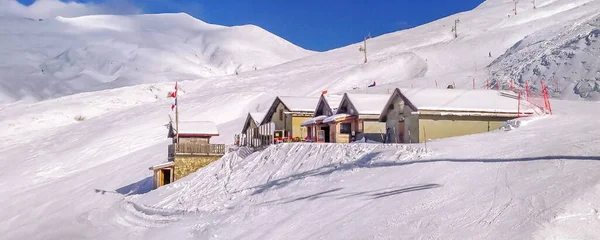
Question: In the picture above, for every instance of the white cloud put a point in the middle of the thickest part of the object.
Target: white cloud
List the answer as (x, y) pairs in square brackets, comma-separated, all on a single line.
[(52, 8)]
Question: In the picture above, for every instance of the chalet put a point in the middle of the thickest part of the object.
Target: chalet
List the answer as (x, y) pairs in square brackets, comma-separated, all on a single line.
[(357, 118), (190, 150), (253, 120), (326, 107), (418, 114), (287, 113), (251, 132)]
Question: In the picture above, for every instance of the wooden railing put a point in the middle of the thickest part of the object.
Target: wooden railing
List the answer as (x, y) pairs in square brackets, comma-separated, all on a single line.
[(199, 149)]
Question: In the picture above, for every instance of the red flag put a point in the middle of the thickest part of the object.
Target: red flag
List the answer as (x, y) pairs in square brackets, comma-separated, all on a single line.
[(172, 107), (324, 92)]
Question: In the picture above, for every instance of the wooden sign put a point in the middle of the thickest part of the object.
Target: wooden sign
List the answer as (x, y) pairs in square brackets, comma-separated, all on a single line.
[(321, 136)]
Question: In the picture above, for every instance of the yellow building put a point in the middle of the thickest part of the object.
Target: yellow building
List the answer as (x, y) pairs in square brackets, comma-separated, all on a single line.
[(357, 118), (414, 115), (192, 152), (287, 113), (326, 107)]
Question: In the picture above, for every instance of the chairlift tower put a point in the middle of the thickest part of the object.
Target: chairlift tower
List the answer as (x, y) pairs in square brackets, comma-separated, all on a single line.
[(364, 47), (455, 28)]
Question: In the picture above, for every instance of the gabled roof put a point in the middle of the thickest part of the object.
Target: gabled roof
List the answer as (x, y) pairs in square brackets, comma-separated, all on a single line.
[(292, 104), (328, 102), (257, 117), (299, 104), (461, 100), (194, 129), (365, 104)]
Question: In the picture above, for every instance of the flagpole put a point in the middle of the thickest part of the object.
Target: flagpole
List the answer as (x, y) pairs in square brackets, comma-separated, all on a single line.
[(176, 113)]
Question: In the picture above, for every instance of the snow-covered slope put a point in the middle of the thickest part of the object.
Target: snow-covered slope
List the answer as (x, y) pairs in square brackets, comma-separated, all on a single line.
[(566, 56), (69, 178), (48, 58)]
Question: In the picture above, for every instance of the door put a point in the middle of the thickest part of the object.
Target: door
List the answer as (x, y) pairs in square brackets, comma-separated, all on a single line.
[(400, 130), (165, 176), (326, 132)]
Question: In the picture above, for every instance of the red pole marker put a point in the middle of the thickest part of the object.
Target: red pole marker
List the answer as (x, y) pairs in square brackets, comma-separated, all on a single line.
[(519, 106)]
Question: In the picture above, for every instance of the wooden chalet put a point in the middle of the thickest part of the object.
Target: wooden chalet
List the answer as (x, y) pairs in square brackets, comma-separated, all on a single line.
[(414, 115), (287, 113)]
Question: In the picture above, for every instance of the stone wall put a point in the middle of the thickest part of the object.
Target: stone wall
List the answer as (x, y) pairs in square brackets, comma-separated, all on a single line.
[(187, 164)]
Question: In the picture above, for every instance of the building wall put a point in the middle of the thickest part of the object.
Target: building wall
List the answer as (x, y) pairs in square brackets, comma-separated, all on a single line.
[(187, 164), (296, 128), (394, 116), (204, 140), (279, 123), (373, 130), (436, 127), (411, 127)]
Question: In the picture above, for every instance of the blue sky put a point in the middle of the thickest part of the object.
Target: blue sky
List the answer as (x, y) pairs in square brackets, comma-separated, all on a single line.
[(312, 24)]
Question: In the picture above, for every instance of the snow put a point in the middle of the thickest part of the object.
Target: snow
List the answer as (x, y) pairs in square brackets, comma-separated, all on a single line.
[(258, 117), (368, 103), (299, 104), (336, 117), (89, 179), (333, 101), (62, 56), (197, 127), (314, 120), (468, 100)]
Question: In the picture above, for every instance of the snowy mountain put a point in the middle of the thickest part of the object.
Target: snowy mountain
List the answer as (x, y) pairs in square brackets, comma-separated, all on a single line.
[(89, 178), (566, 56), (49, 58)]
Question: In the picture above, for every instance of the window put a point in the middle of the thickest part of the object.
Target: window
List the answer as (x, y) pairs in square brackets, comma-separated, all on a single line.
[(345, 128), (281, 115)]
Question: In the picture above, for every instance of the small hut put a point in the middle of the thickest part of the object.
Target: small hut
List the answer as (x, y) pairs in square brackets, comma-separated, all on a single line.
[(190, 150)]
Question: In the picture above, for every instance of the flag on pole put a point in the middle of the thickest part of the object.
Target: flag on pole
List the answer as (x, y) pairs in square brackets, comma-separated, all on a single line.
[(174, 95)]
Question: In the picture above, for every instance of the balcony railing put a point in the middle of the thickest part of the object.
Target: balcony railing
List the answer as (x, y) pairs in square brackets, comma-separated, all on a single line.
[(196, 149)]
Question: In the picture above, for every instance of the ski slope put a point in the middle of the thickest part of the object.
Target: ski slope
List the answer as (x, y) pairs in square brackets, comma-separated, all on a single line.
[(90, 180)]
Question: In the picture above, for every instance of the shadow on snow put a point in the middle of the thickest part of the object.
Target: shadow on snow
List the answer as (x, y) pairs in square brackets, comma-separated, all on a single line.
[(368, 195), (140, 187), (365, 162)]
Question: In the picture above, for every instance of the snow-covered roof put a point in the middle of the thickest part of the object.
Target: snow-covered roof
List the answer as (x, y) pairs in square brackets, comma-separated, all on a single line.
[(300, 104), (162, 165), (334, 101), (205, 128), (336, 118), (471, 100), (313, 120), (258, 117), (368, 103)]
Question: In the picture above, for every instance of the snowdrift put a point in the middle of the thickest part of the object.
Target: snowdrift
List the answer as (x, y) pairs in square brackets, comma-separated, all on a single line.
[(444, 190)]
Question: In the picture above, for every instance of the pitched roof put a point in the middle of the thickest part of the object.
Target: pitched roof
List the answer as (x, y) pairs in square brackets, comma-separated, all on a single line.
[(299, 104), (293, 104), (368, 104), (330, 102), (257, 117), (468, 100), (196, 128), (334, 101)]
